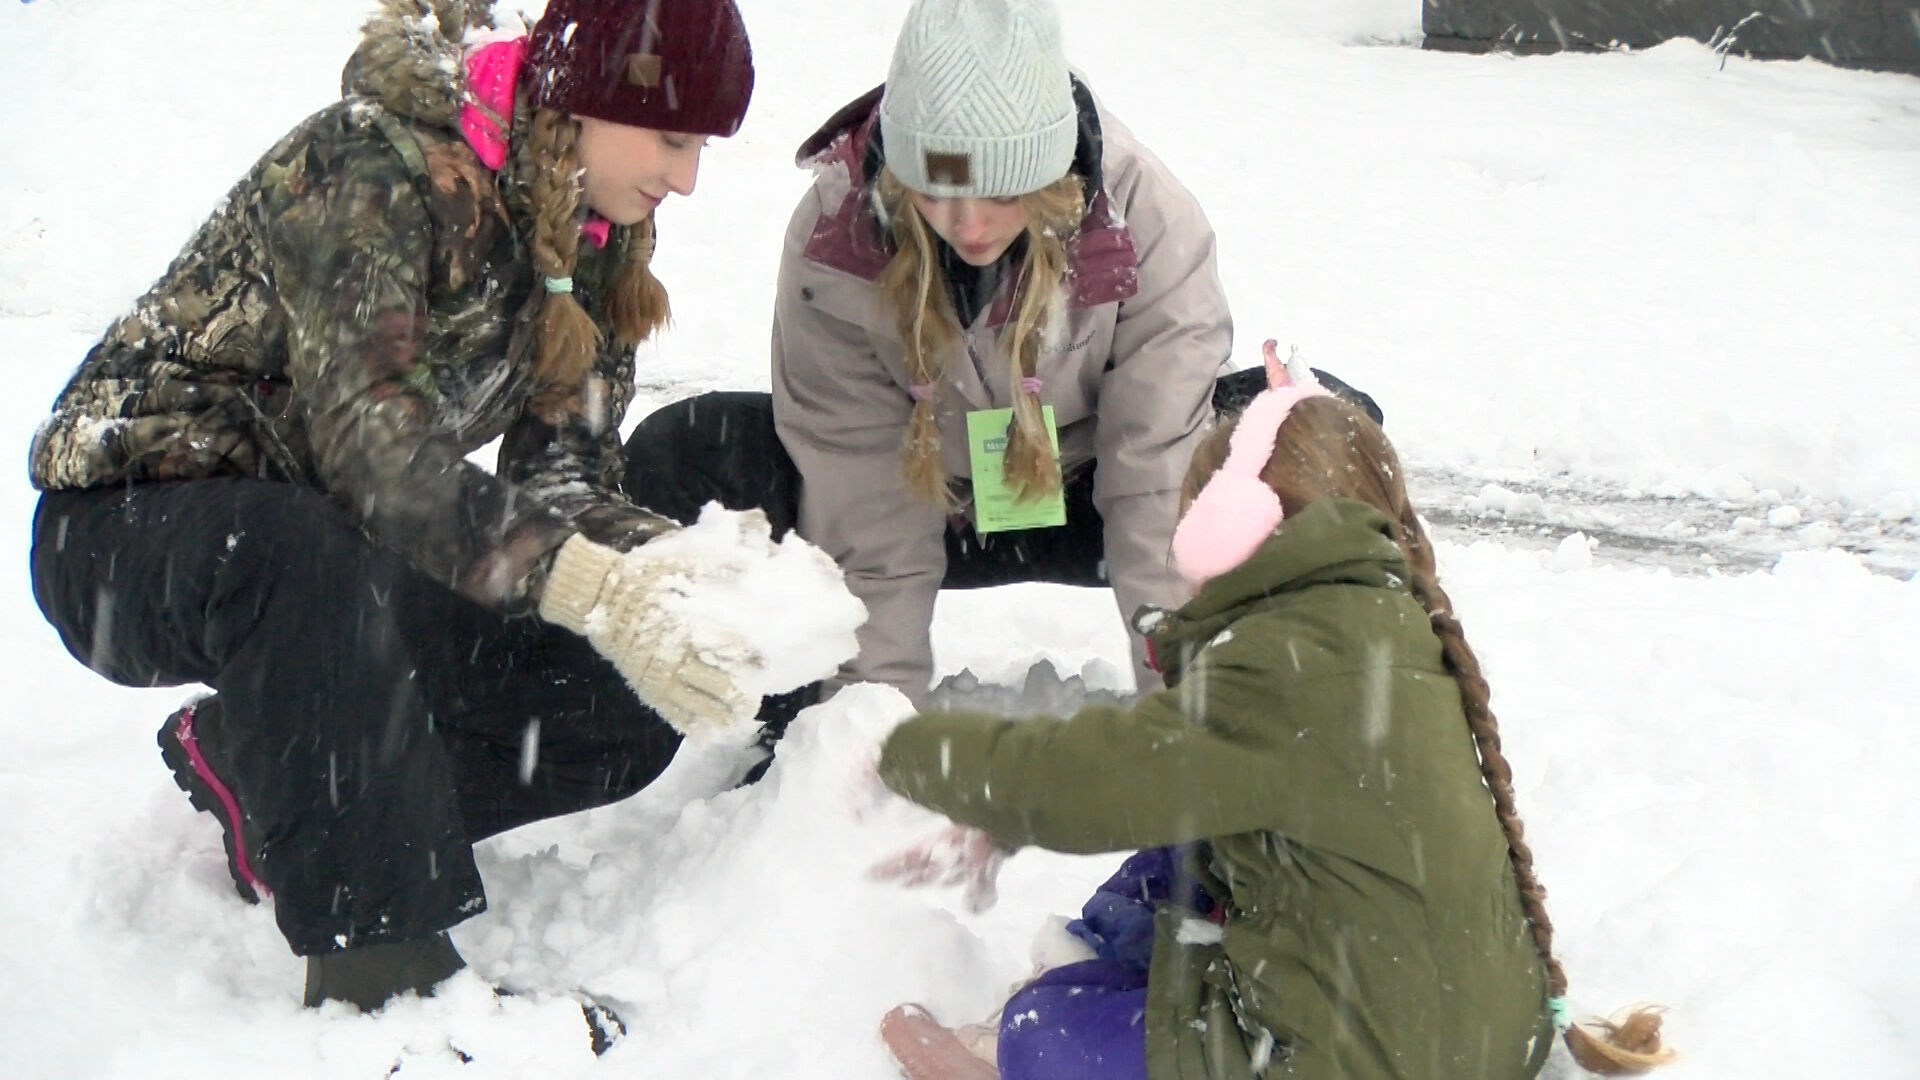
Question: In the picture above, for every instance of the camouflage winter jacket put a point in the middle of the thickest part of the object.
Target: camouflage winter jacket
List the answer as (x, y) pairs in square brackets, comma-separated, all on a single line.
[(357, 317)]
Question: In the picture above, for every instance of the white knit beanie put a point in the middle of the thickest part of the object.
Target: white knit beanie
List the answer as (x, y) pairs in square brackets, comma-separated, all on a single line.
[(979, 103)]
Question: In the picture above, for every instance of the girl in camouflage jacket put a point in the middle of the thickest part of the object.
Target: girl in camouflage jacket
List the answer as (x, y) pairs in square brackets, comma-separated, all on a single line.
[(258, 479), (1346, 901)]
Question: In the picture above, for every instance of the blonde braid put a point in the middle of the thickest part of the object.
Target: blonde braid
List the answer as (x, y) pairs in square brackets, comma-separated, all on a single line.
[(1032, 468), (638, 303), (567, 338), (913, 284), (1476, 701)]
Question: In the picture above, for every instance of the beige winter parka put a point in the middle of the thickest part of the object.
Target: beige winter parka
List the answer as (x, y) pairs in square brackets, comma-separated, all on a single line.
[(1130, 381)]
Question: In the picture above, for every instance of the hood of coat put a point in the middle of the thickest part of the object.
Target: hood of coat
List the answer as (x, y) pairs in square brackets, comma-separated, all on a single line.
[(1331, 542), (412, 62), (411, 58)]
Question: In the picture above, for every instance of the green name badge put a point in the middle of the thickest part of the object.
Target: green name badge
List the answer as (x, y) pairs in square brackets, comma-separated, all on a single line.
[(994, 507)]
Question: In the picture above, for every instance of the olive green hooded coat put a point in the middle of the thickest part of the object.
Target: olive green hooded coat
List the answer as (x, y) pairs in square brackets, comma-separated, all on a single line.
[(1311, 735)]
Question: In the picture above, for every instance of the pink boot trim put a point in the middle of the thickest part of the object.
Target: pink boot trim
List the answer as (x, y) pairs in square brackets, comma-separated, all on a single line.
[(242, 863)]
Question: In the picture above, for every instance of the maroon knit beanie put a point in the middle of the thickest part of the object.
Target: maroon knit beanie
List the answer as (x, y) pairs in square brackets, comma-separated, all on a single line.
[(671, 65)]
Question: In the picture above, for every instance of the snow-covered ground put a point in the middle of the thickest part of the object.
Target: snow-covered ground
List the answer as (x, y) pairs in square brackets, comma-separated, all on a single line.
[(1637, 277)]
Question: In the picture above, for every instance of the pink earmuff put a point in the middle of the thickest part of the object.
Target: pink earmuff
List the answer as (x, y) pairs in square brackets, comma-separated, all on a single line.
[(1236, 512)]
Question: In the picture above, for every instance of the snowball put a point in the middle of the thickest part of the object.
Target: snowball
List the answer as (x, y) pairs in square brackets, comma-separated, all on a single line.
[(1783, 517), (787, 602), (1574, 553)]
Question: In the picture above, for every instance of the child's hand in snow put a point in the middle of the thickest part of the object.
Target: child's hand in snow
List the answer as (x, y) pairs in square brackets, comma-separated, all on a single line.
[(953, 856)]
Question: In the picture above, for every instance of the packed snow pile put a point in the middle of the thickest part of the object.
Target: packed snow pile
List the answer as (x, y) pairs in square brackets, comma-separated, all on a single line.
[(757, 901)]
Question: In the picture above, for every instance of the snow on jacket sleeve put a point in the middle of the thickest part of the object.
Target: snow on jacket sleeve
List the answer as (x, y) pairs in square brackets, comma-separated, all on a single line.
[(1170, 341), (351, 250), (841, 417)]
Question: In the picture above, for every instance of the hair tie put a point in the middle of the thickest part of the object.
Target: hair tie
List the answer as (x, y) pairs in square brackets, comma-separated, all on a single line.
[(1561, 1012), (921, 391), (560, 284), (1031, 385)]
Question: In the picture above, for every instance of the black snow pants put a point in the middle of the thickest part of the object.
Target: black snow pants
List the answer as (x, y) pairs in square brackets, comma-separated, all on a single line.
[(373, 723)]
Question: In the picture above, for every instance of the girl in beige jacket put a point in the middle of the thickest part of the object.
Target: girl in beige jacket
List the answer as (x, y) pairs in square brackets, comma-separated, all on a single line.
[(980, 236)]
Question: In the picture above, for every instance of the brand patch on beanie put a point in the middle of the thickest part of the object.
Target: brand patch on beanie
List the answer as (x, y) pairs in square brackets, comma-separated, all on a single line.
[(955, 170), (643, 69)]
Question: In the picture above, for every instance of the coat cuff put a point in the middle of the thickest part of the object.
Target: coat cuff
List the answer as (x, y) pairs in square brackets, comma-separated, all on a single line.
[(573, 585)]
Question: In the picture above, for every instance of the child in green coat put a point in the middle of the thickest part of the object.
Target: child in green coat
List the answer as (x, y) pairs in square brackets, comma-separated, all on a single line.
[(1333, 881)]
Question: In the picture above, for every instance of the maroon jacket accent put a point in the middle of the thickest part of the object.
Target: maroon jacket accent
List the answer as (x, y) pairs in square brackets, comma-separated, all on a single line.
[(1102, 265)]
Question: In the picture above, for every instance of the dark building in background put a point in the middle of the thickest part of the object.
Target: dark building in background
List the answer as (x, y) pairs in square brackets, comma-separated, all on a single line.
[(1879, 34)]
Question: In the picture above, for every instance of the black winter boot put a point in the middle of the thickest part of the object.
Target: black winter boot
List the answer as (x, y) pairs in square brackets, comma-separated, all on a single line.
[(369, 976), (189, 744)]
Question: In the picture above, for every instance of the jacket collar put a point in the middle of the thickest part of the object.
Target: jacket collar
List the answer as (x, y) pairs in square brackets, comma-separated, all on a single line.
[(1331, 542)]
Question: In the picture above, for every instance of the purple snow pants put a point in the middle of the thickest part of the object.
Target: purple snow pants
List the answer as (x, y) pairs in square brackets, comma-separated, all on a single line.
[(1087, 1021)]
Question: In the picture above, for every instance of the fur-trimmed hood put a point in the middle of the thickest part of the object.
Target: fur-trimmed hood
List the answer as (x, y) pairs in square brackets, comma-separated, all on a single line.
[(410, 57)]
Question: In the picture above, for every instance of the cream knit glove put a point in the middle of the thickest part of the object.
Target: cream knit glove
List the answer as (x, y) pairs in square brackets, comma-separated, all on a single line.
[(620, 603)]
